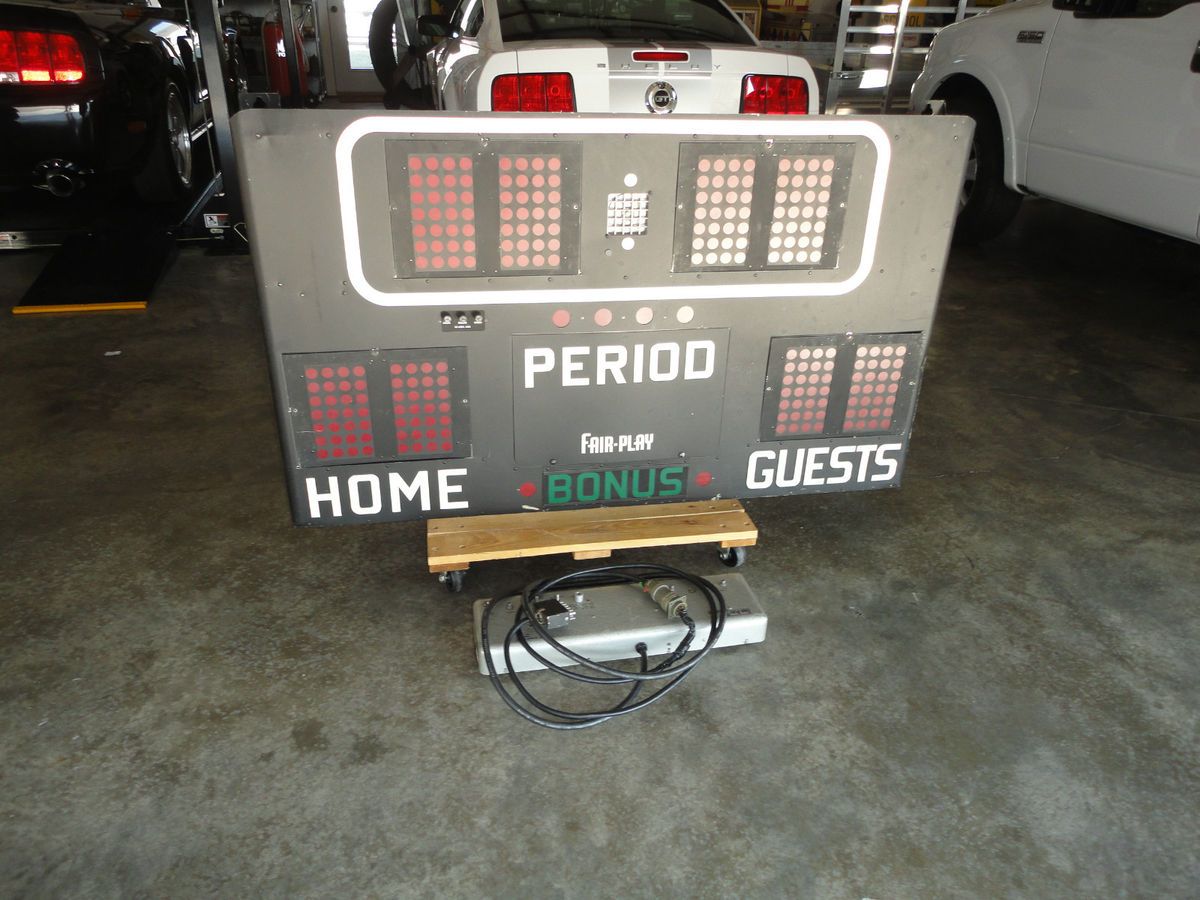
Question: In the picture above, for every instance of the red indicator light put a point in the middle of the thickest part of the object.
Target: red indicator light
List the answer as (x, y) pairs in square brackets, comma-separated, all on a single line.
[(40, 57), (774, 95), (704, 479), (535, 92), (8, 53), (531, 91), (33, 56), (660, 56), (506, 94), (560, 93), (528, 489), (66, 59)]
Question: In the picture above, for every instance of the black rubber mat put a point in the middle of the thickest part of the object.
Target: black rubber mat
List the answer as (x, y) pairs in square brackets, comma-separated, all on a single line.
[(110, 271)]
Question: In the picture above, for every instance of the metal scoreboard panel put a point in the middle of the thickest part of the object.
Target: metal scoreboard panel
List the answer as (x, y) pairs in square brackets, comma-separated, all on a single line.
[(490, 313)]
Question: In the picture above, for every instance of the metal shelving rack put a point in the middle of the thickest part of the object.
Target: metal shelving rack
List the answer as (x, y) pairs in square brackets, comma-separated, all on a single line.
[(853, 43)]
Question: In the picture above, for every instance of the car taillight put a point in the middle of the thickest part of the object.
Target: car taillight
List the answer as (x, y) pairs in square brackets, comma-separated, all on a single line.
[(774, 95), (40, 57), (540, 92)]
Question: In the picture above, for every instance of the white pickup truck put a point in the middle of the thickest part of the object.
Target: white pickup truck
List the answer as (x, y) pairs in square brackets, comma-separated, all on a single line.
[(1094, 103)]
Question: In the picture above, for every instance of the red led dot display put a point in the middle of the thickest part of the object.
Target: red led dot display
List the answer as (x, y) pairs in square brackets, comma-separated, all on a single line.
[(531, 212), (343, 405), (340, 410), (804, 389), (441, 193), (417, 386), (874, 387)]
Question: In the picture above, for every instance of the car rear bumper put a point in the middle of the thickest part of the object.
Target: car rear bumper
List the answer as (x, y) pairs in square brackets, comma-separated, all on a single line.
[(38, 129)]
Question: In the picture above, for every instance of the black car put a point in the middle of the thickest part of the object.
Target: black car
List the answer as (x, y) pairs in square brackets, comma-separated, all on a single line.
[(95, 91)]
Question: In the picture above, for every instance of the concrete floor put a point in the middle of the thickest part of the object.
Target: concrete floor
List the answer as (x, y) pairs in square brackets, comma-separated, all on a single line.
[(982, 685)]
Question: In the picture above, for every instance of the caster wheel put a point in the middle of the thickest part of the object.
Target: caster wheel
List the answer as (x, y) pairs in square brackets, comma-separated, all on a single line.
[(732, 556), (453, 581)]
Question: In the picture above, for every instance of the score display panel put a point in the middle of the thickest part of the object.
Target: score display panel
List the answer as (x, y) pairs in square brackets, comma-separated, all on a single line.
[(494, 313)]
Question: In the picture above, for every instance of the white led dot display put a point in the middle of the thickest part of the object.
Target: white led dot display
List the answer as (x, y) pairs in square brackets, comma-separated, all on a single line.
[(721, 222), (531, 211), (801, 211), (627, 213), (874, 387)]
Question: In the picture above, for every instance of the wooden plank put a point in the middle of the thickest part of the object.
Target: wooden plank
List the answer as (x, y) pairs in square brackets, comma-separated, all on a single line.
[(577, 516), (740, 543), (592, 554), (595, 532), (546, 533)]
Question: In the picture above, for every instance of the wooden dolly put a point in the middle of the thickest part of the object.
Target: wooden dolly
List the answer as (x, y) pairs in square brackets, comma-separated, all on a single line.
[(453, 544)]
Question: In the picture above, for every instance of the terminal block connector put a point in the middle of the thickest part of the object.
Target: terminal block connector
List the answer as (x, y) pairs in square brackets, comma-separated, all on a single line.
[(551, 612)]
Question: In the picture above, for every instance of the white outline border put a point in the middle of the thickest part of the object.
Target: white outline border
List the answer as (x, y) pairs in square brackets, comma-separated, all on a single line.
[(563, 125)]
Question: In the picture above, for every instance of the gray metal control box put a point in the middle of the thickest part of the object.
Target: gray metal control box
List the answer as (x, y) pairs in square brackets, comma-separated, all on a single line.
[(610, 621)]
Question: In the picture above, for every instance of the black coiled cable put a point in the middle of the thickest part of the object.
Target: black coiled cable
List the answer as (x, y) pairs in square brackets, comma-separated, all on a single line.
[(671, 669)]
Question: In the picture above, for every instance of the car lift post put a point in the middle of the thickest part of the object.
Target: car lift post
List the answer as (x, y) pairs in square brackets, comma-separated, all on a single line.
[(208, 28), (288, 25)]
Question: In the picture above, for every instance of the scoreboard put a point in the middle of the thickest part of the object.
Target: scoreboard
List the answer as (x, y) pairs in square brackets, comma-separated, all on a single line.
[(492, 313)]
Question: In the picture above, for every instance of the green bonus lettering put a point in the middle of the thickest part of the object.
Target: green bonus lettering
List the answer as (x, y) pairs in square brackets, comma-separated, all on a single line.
[(558, 488)]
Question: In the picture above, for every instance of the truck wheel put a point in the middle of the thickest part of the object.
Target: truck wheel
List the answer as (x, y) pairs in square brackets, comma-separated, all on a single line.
[(986, 204), (168, 172)]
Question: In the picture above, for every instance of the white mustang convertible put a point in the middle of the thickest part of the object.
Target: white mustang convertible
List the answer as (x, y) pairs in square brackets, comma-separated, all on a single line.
[(619, 56)]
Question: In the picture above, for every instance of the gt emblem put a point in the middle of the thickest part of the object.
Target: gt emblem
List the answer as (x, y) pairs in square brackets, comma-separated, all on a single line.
[(661, 97)]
